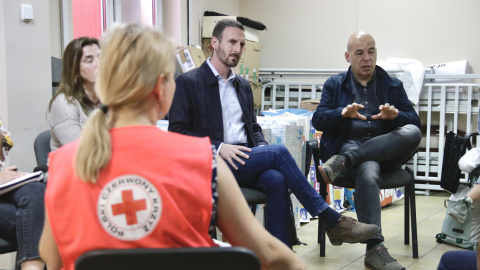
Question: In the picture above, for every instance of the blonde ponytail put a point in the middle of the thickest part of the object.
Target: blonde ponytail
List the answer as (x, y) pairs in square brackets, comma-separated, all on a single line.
[(132, 59), (94, 151)]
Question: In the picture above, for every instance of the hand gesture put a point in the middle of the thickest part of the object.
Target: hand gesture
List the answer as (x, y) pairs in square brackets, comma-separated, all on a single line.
[(387, 112), (351, 111), (10, 173), (231, 152)]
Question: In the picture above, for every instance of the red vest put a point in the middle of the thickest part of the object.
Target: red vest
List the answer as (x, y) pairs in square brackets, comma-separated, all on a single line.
[(155, 192)]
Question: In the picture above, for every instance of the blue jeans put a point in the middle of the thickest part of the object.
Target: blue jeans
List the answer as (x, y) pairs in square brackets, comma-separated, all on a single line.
[(380, 154), (272, 169), (21, 219), (458, 260)]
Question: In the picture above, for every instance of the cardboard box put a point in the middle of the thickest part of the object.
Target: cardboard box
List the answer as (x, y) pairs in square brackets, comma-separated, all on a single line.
[(209, 22), (310, 104), (189, 58)]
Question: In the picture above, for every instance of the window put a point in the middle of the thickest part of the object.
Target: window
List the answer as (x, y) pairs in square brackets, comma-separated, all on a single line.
[(93, 17), (138, 11)]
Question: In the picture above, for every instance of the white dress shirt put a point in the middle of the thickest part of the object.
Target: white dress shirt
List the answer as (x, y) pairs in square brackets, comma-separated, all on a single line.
[(233, 124)]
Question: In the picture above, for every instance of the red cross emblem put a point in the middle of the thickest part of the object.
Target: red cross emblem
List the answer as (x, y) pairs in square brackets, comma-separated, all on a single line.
[(129, 207)]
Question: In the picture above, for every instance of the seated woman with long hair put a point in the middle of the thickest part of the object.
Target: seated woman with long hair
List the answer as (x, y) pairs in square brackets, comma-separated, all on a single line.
[(128, 184), (75, 98)]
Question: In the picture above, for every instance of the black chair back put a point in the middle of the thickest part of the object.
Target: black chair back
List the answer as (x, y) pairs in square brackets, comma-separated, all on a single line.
[(205, 258), (7, 247), (41, 146)]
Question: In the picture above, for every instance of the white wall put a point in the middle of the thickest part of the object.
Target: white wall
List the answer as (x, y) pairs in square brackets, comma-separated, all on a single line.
[(3, 70), (25, 76), (313, 34)]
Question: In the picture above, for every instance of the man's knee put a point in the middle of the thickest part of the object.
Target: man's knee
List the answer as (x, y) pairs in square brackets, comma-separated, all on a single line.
[(457, 259), (273, 179), (446, 259), (279, 149), (36, 189), (368, 175), (31, 193), (412, 132)]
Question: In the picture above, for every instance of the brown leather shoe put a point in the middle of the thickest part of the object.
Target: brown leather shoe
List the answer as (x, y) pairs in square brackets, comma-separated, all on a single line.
[(351, 231)]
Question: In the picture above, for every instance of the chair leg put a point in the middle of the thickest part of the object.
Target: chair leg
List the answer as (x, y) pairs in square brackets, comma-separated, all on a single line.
[(292, 227), (18, 266), (323, 193), (321, 237), (254, 208), (321, 224), (413, 213), (406, 215)]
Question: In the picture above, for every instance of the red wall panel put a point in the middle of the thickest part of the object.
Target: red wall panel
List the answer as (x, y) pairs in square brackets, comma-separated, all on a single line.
[(87, 18)]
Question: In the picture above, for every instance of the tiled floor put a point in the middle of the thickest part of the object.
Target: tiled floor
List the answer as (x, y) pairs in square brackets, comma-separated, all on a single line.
[(430, 216)]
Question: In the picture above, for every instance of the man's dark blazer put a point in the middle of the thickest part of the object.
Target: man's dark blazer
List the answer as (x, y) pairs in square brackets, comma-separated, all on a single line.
[(197, 111), (337, 93)]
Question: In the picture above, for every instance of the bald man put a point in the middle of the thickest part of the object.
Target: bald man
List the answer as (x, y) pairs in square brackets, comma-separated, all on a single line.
[(369, 126)]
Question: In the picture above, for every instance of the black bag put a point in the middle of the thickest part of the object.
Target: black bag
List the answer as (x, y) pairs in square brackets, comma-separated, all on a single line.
[(251, 23), (455, 148), (244, 21)]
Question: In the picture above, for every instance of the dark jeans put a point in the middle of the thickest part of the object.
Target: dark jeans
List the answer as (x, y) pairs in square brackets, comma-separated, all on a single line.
[(21, 219), (381, 154), (458, 260), (272, 169)]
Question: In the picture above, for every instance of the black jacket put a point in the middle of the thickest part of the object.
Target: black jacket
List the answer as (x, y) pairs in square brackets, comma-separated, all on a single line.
[(338, 93), (196, 109)]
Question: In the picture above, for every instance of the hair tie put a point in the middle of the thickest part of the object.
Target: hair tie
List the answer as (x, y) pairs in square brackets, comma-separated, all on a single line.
[(104, 108)]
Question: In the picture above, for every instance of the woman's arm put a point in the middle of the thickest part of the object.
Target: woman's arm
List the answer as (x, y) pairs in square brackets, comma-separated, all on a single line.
[(48, 247), (240, 227), (65, 120)]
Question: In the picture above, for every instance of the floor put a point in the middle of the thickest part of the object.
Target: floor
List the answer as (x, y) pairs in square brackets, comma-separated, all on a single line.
[(430, 216), (7, 261)]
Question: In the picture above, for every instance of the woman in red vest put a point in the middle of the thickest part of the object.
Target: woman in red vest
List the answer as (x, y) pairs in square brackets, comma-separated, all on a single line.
[(128, 184)]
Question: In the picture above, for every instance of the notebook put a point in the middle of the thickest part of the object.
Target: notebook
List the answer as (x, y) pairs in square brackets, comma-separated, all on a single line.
[(16, 183)]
